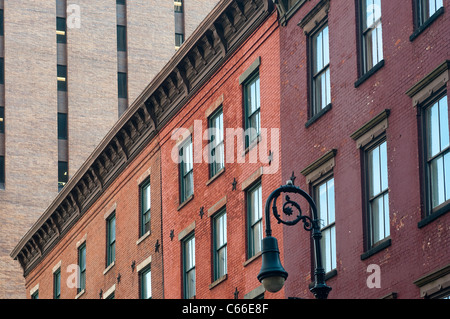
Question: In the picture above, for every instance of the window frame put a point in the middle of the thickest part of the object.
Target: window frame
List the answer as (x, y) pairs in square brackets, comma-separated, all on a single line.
[(214, 167), (81, 267), (364, 69), (251, 248), (142, 216), (332, 225), (110, 242), (252, 78), (186, 286), (184, 196), (57, 284), (315, 109), (430, 212), (216, 249), (370, 243), (142, 286)]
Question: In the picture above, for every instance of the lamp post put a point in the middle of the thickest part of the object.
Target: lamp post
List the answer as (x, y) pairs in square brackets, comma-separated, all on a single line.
[(272, 274)]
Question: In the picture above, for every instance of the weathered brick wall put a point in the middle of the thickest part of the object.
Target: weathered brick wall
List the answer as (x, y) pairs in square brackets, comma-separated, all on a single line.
[(414, 252)]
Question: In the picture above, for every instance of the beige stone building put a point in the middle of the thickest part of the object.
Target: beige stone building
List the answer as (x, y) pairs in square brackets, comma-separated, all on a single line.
[(68, 70)]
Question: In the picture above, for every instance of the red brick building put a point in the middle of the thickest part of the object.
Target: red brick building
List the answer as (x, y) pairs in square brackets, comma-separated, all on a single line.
[(165, 208)]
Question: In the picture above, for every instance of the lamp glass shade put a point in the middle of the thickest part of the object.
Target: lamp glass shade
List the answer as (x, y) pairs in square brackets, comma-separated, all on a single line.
[(273, 284)]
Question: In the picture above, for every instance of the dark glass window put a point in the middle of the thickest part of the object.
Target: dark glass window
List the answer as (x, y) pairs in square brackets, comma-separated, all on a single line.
[(252, 104), (2, 171), (121, 38), (62, 77), (62, 126), (178, 5), (57, 284), (35, 295), (2, 70), (2, 23), (179, 39), (82, 267), (217, 154), (63, 174), (186, 169), (111, 240), (61, 30), (2, 119), (120, 2), (146, 283), (145, 207), (122, 83)]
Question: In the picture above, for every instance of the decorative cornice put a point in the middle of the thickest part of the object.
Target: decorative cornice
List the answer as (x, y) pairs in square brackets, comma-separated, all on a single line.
[(215, 39)]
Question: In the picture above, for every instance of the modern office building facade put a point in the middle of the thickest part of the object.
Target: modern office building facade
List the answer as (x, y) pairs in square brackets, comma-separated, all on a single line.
[(358, 121), (69, 70)]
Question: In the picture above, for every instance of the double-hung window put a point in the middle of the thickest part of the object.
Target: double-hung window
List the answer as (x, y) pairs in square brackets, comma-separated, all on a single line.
[(186, 169), (321, 85), (437, 153), (324, 198), (217, 156), (146, 283), (57, 284), (82, 268), (252, 104), (254, 220), (145, 207), (371, 34), (111, 239), (220, 244), (426, 9), (189, 267), (377, 193)]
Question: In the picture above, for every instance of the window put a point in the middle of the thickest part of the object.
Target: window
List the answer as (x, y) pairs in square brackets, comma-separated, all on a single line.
[(321, 86), (63, 174), (186, 170), (371, 34), (61, 30), (57, 284), (377, 197), (2, 70), (324, 198), (2, 171), (254, 218), (217, 157), (426, 9), (62, 126), (35, 295), (146, 283), (220, 244), (437, 153), (145, 207), (178, 6), (122, 85), (2, 23), (111, 240), (122, 2), (189, 267), (2, 119), (121, 38), (179, 39), (62, 77), (82, 268), (252, 109)]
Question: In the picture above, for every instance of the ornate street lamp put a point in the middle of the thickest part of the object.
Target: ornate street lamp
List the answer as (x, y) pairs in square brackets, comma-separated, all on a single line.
[(272, 274)]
